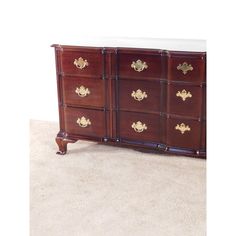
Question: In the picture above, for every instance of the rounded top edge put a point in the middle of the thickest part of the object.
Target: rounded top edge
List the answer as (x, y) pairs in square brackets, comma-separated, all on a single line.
[(192, 45)]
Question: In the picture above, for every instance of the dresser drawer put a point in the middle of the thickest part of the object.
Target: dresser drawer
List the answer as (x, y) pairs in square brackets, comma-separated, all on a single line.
[(83, 63), (183, 133), (185, 100), (84, 122), (83, 91), (139, 126), (186, 67), (139, 65), (139, 95)]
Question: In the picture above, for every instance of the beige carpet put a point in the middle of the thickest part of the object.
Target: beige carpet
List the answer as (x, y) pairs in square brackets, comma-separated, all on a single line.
[(102, 190)]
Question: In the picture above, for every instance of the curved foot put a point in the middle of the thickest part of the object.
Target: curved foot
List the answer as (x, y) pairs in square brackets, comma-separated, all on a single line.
[(62, 144), (61, 152)]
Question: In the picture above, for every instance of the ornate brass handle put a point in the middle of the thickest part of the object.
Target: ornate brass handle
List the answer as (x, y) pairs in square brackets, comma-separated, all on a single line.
[(82, 91), (139, 65), (185, 67), (139, 127), (183, 94), (80, 63), (182, 128), (139, 95), (83, 122)]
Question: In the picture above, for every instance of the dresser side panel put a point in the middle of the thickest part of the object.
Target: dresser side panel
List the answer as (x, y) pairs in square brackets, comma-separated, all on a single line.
[(58, 51)]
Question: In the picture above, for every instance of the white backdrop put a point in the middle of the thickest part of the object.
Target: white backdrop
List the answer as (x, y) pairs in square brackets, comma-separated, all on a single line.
[(42, 23), (28, 83)]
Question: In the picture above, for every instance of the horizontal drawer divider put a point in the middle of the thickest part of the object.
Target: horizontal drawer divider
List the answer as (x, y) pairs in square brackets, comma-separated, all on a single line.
[(85, 107), (168, 115), (138, 111), (81, 76), (144, 78), (182, 82), (163, 114), (201, 83)]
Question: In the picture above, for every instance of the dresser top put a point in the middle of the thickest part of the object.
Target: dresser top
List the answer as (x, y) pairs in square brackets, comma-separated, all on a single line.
[(151, 43)]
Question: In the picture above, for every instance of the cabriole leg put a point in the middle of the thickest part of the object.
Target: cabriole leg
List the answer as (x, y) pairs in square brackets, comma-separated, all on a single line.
[(62, 144)]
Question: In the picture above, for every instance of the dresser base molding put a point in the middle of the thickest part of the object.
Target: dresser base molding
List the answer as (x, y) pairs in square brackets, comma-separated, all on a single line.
[(62, 139)]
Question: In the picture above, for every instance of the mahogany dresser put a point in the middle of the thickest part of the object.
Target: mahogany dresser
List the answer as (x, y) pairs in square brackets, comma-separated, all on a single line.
[(146, 97)]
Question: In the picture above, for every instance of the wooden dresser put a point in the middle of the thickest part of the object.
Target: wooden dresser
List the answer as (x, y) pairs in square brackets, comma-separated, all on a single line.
[(144, 97)]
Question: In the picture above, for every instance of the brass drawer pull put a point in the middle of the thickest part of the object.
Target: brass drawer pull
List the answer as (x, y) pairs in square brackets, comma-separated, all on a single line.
[(183, 94), (185, 67), (139, 65), (82, 91), (139, 127), (139, 95), (182, 128), (80, 63), (83, 122)]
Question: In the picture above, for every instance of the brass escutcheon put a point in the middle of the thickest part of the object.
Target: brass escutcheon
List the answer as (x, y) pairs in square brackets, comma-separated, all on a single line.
[(139, 95), (183, 94), (185, 67), (182, 128), (83, 122), (139, 127), (82, 91), (139, 65), (80, 63)]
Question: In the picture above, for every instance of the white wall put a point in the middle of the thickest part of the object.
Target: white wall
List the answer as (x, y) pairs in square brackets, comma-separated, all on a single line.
[(42, 23)]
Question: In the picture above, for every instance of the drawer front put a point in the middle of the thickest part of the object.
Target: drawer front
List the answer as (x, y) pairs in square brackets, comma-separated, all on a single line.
[(139, 95), (85, 122), (82, 63), (185, 100), (83, 91), (183, 133), (187, 68), (133, 65), (139, 126)]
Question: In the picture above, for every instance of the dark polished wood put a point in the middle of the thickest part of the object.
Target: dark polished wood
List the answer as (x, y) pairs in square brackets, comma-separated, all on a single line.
[(113, 106), (188, 139), (196, 60), (181, 105), (153, 61), (150, 102), (203, 135), (94, 97), (93, 57), (97, 126), (151, 121)]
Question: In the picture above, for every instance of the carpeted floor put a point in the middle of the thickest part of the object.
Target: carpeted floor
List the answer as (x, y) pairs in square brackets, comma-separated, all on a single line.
[(102, 190)]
